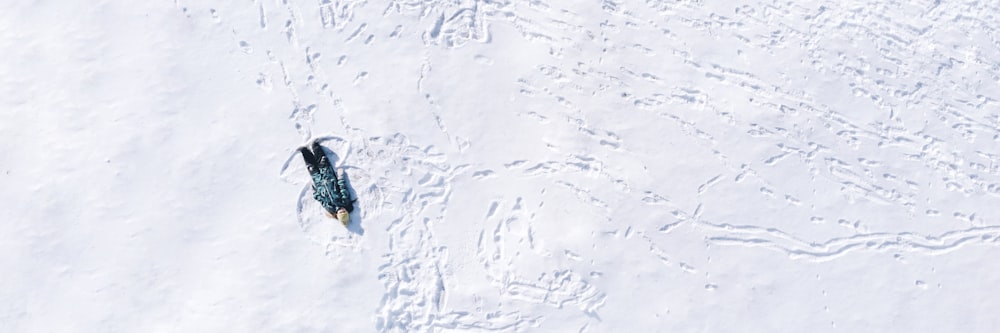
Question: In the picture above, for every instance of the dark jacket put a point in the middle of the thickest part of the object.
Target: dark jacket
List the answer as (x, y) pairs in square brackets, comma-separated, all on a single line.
[(328, 189)]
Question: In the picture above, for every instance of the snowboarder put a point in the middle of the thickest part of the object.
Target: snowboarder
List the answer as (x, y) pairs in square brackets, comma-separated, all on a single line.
[(330, 191)]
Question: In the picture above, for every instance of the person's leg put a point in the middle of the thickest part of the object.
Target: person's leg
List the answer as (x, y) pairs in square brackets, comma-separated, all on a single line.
[(323, 161), (325, 169), (311, 164)]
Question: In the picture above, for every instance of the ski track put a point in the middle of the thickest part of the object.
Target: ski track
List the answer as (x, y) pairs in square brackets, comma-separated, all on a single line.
[(833, 149)]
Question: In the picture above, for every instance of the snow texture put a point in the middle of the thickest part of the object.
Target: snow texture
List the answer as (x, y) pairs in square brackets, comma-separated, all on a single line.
[(520, 166)]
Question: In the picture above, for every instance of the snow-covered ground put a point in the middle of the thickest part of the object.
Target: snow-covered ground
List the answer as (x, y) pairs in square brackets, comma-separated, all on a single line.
[(520, 166)]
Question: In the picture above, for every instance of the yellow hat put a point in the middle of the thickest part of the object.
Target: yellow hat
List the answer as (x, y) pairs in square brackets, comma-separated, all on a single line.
[(344, 216)]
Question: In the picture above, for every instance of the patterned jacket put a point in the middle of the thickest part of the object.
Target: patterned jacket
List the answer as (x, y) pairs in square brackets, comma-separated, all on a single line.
[(330, 191)]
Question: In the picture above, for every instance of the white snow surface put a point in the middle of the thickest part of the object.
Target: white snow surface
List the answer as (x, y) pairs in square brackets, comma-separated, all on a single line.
[(520, 166)]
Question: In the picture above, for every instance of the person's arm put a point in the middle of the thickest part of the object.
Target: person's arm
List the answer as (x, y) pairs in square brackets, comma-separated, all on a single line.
[(345, 193)]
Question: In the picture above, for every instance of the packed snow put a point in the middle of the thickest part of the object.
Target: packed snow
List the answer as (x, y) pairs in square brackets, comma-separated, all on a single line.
[(520, 166)]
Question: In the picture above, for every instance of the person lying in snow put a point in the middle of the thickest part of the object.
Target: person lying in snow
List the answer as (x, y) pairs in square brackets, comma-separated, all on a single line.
[(330, 191)]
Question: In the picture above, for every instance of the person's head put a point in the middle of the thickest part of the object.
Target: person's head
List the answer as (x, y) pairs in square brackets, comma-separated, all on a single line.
[(343, 216)]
